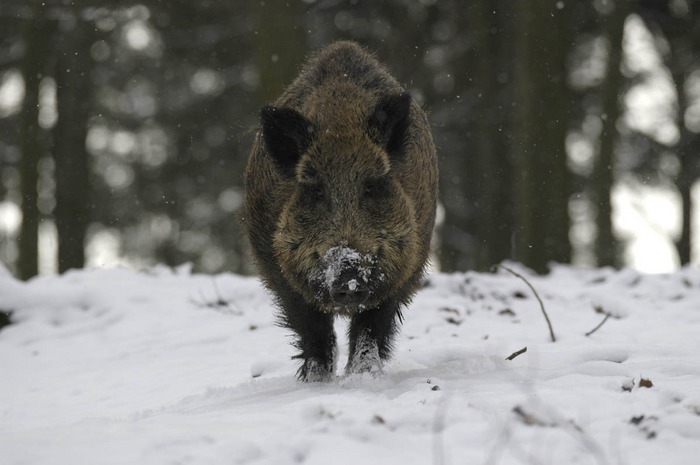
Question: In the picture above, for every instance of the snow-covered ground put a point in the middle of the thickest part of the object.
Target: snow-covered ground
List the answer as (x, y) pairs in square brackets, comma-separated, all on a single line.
[(165, 367)]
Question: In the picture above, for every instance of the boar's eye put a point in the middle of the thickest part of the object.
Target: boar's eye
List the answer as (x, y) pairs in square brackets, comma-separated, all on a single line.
[(375, 188), (313, 193)]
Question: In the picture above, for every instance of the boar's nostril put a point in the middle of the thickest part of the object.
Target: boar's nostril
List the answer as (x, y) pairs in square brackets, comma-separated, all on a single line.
[(344, 296), (349, 289)]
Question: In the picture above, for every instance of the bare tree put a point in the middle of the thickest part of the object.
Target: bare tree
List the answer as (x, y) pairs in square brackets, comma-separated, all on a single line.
[(73, 90), (602, 178), (36, 53), (542, 103)]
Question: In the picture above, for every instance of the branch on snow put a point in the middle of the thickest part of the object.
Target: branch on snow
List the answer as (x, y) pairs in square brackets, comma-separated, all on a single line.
[(544, 312)]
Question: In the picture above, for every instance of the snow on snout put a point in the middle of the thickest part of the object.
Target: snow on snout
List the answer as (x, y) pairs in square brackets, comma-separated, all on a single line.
[(341, 258)]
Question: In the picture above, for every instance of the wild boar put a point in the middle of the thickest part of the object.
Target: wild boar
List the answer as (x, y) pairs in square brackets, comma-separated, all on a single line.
[(340, 198)]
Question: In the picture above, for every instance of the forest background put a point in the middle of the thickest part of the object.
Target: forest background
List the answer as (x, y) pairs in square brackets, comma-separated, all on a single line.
[(125, 126)]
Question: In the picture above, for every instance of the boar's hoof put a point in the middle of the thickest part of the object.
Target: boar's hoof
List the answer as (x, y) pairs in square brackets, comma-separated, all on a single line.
[(314, 371), (365, 358)]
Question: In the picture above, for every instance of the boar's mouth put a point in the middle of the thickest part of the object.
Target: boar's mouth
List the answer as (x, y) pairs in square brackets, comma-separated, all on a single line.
[(346, 279)]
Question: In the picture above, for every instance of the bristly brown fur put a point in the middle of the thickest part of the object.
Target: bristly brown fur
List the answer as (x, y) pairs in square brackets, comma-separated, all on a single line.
[(344, 158)]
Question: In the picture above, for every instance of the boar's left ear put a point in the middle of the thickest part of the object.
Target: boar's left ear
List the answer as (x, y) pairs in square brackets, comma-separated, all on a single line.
[(390, 122), (286, 134)]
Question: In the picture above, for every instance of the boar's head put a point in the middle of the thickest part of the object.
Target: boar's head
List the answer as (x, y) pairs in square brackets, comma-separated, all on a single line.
[(346, 237)]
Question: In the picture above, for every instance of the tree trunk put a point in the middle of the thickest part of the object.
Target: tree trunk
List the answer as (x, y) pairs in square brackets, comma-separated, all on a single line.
[(681, 63), (493, 176), (682, 30), (277, 58), (684, 244), (73, 86), (542, 103), (605, 245), (36, 39), (476, 180)]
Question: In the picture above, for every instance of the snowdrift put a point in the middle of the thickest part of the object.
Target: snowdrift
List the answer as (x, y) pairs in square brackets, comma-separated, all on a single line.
[(163, 366)]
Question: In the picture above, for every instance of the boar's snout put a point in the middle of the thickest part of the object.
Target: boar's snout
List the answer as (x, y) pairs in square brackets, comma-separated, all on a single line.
[(346, 277), (349, 289)]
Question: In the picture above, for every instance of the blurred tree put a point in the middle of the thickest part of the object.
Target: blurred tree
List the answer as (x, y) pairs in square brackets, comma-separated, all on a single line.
[(165, 96), (456, 119), (602, 178), (72, 73), (493, 179), (174, 93), (476, 167), (277, 61), (542, 182), (681, 26), (207, 106), (11, 54), (36, 36), (676, 25)]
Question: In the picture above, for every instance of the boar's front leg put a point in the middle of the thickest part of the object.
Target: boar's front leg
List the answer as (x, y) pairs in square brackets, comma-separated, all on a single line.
[(315, 339), (371, 338)]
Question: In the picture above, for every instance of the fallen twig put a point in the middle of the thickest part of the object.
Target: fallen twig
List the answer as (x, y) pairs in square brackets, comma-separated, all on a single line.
[(544, 312), (516, 353), (599, 325)]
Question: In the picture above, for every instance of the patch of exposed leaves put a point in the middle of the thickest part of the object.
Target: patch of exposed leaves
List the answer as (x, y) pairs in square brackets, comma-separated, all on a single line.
[(629, 384), (645, 383)]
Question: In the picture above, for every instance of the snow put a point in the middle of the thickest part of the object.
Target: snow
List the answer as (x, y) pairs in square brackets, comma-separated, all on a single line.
[(115, 366), (340, 258)]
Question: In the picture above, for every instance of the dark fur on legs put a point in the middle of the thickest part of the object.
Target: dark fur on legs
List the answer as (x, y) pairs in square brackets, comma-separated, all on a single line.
[(371, 336), (316, 339)]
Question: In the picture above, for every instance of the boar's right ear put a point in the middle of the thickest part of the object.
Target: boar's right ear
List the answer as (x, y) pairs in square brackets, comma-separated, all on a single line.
[(286, 134)]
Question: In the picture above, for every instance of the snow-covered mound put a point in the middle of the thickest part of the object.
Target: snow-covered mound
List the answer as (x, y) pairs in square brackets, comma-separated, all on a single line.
[(166, 367)]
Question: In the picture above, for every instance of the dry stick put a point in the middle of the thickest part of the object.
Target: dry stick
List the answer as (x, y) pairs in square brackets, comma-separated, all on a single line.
[(546, 317), (516, 353), (599, 325)]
